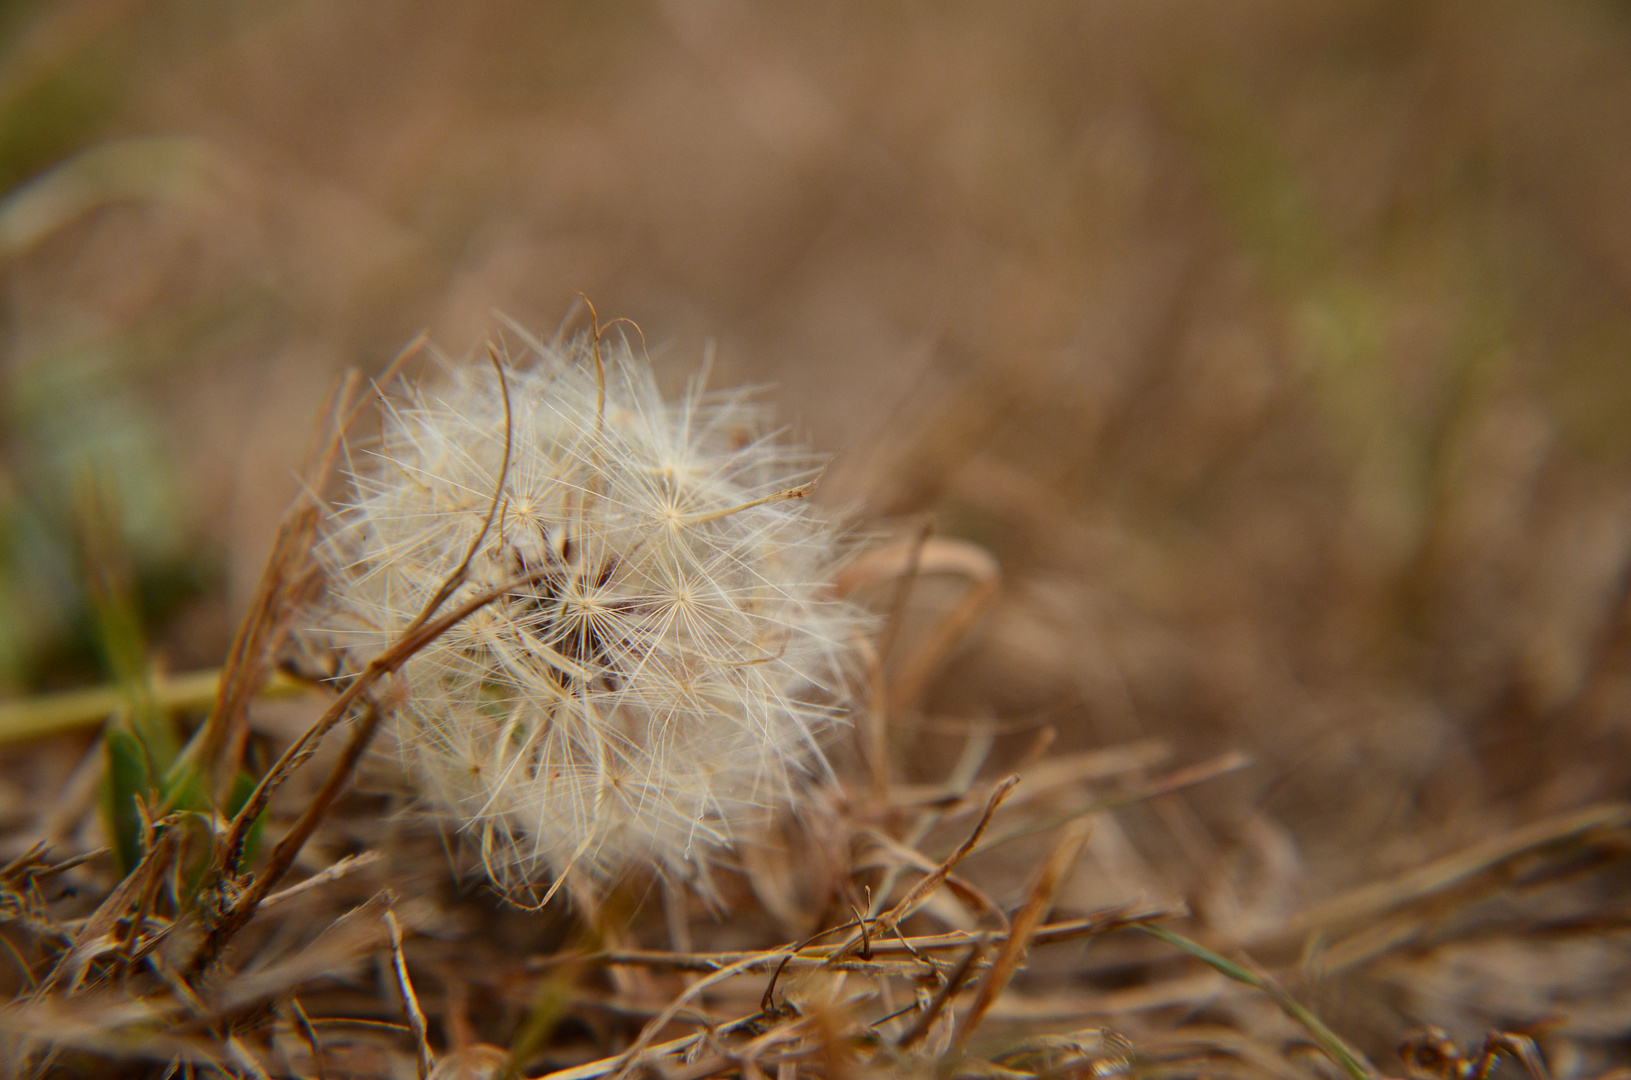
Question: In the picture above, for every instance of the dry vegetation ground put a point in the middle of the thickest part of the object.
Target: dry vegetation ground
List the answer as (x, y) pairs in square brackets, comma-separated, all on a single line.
[(1277, 353)]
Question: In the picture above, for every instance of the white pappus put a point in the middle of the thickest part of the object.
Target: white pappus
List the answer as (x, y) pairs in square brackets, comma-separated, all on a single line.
[(660, 678)]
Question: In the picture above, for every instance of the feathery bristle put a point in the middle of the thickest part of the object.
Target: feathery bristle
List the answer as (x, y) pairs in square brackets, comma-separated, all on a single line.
[(663, 681)]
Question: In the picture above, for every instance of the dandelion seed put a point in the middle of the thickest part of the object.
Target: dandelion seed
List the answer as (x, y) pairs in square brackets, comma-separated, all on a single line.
[(664, 681)]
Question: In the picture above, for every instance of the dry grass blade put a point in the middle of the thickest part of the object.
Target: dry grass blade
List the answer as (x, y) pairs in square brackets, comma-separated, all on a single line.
[(220, 740), (1176, 781), (350, 939), (355, 692), (340, 869), (961, 786), (817, 955), (83, 1025), (1026, 922), (31, 858), (897, 858), (243, 906), (925, 1019), (906, 572), (218, 745), (920, 893), (1056, 771), (1043, 777), (1198, 1051), (309, 1034), (1452, 871), (96, 935), (603, 1066), (1188, 991), (629, 1059), (935, 556), (423, 1059), (240, 1056)]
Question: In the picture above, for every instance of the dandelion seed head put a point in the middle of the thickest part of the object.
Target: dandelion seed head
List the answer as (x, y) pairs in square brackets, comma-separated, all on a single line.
[(662, 679)]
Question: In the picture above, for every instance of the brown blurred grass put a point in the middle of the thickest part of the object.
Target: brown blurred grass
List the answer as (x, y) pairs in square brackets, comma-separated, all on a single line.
[(1278, 353)]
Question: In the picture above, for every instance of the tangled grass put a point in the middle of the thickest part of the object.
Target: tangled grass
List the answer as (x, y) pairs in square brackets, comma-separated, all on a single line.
[(180, 947)]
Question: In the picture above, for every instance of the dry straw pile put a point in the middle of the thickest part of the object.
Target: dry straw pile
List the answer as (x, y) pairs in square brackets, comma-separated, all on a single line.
[(609, 643)]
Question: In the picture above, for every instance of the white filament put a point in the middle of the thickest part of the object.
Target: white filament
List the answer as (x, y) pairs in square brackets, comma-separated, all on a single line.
[(665, 683)]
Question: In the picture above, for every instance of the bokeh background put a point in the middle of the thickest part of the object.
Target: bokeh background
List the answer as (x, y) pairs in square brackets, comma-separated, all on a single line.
[(1280, 352)]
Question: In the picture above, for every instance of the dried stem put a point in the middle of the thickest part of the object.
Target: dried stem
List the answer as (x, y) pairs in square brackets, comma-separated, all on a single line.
[(423, 1059), (1025, 924)]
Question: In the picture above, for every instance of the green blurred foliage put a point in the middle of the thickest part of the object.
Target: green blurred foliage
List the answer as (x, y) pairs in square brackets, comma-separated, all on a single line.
[(45, 121), (70, 417)]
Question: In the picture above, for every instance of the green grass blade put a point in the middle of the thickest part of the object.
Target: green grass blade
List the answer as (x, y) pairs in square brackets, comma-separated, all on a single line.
[(128, 779), (1351, 1060)]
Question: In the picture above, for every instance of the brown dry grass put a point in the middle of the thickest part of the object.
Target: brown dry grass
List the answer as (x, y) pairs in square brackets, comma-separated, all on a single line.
[(1277, 354)]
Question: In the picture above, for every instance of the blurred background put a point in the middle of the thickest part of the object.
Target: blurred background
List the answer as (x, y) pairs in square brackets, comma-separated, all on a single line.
[(1280, 353)]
